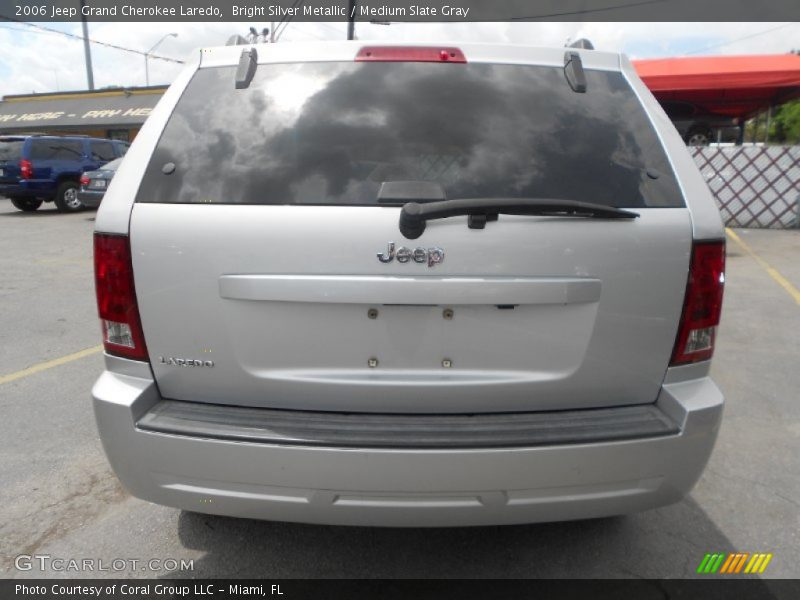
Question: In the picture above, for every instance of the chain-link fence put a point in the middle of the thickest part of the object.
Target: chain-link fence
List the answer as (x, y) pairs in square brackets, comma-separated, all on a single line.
[(754, 186)]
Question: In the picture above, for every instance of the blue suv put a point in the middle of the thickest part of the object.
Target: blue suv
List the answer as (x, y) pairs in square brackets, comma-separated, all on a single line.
[(44, 168)]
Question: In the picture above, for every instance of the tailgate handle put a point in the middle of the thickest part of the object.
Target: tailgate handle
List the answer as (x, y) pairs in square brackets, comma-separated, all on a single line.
[(378, 289)]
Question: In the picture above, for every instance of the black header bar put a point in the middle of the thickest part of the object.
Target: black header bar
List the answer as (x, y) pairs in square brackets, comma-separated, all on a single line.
[(401, 10), (408, 589)]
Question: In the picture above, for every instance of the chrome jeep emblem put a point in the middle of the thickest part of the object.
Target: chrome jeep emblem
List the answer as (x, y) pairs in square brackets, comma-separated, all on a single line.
[(433, 256)]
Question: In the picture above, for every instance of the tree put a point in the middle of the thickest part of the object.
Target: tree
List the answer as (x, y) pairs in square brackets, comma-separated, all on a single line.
[(786, 123)]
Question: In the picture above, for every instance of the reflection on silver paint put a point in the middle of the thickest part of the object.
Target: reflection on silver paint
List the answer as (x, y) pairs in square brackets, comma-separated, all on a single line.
[(593, 326)]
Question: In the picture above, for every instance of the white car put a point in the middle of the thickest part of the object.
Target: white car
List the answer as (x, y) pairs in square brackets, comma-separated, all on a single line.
[(424, 285)]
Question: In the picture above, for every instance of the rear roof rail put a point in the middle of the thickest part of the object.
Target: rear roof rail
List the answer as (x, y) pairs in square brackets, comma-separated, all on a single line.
[(248, 63), (236, 40), (573, 71), (582, 43)]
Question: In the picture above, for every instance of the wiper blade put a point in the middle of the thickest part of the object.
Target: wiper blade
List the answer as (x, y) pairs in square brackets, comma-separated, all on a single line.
[(414, 216)]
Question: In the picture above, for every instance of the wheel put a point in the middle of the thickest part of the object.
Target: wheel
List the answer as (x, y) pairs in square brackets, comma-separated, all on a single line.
[(698, 137), (26, 204), (67, 197)]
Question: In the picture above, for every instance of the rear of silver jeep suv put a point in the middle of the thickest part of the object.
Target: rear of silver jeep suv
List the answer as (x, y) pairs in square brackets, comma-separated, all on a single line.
[(408, 286)]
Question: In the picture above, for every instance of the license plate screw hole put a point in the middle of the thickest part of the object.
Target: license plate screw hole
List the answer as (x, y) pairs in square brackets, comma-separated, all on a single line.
[(447, 313), (372, 363), (372, 313), (447, 363)]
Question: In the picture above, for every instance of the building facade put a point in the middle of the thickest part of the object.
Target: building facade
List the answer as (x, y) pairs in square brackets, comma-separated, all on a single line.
[(115, 113)]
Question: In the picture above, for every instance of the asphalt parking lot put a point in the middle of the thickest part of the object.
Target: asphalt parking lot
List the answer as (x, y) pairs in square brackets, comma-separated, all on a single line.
[(60, 498)]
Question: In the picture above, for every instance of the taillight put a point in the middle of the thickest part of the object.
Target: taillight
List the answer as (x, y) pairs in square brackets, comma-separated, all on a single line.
[(25, 169), (84, 180), (116, 297), (703, 304), (410, 54)]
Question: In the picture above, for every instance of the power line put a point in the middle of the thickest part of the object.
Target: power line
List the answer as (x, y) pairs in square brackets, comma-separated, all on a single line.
[(746, 37), (27, 30), (80, 37), (286, 20), (279, 31)]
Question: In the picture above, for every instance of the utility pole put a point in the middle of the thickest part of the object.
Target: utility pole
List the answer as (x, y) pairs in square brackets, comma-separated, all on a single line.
[(86, 50), (351, 19)]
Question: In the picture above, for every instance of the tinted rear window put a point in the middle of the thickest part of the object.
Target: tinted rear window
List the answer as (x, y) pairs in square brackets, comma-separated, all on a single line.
[(11, 149), (55, 149), (331, 133), (102, 151)]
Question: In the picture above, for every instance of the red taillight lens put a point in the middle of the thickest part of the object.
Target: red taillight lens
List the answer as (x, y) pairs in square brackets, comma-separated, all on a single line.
[(703, 304), (116, 297), (84, 180), (410, 54), (25, 169)]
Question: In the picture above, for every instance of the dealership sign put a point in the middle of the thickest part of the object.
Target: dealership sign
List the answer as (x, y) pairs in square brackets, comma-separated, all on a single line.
[(90, 114), (79, 110)]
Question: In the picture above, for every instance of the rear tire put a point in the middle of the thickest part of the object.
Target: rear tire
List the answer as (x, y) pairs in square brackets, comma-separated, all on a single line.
[(26, 204), (67, 197), (699, 137)]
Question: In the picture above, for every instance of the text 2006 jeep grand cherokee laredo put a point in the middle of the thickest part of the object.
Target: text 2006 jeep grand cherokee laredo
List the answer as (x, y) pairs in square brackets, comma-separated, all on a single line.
[(408, 286)]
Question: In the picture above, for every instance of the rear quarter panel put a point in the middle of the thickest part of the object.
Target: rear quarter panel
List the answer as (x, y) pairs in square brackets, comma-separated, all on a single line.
[(706, 220), (115, 211)]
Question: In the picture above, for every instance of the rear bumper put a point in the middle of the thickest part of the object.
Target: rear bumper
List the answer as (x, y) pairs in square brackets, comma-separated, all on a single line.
[(28, 189), (14, 190), (90, 199), (406, 486)]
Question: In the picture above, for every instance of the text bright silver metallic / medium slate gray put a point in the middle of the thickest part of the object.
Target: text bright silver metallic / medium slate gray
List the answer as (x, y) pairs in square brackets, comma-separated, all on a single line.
[(277, 348)]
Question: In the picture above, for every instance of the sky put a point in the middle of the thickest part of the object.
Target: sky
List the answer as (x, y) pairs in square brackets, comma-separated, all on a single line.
[(32, 60)]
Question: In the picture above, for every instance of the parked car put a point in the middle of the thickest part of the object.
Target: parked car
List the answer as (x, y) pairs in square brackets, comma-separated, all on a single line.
[(95, 183), (698, 127), (43, 168), (408, 286)]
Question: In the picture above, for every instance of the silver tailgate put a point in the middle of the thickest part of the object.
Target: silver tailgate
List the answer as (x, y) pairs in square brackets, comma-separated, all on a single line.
[(547, 313)]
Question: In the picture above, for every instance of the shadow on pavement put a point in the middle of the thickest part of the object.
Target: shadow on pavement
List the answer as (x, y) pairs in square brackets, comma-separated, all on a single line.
[(42, 212), (47, 209), (668, 542)]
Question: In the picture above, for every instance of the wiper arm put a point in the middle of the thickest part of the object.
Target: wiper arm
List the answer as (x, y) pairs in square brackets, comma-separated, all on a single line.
[(414, 216)]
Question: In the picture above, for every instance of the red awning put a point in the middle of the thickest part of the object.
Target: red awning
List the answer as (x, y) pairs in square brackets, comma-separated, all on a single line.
[(738, 86)]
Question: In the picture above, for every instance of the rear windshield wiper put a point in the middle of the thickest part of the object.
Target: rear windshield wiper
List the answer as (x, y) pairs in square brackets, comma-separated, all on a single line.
[(414, 216)]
